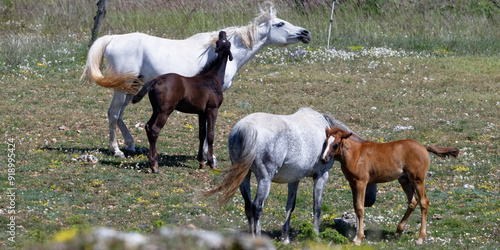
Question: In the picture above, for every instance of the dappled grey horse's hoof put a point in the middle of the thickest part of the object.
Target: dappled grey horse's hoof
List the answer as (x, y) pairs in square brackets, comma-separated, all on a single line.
[(285, 241)]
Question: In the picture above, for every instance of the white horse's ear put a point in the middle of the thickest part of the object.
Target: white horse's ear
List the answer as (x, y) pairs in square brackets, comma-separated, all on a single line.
[(268, 9), (272, 12)]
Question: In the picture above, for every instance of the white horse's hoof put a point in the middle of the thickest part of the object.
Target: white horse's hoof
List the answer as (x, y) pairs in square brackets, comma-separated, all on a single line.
[(120, 154)]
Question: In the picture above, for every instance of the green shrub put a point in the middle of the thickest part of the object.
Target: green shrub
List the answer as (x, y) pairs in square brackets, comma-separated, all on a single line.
[(332, 235), (306, 232)]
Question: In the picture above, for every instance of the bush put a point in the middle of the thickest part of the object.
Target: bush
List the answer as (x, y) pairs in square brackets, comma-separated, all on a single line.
[(306, 232), (332, 235)]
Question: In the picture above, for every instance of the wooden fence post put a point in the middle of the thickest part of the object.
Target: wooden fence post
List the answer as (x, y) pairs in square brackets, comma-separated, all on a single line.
[(99, 16)]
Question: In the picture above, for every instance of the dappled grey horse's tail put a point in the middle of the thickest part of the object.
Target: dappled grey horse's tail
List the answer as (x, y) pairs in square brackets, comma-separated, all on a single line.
[(242, 141), (371, 189), (145, 89)]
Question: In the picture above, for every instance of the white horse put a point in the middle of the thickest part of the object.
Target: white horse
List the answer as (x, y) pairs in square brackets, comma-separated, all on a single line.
[(282, 149), (136, 57)]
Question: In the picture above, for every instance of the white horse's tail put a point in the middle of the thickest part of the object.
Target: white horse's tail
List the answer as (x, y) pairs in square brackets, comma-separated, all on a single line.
[(125, 82), (244, 140)]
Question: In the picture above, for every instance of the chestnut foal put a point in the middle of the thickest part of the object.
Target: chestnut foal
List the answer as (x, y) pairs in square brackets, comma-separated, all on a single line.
[(200, 94), (368, 163)]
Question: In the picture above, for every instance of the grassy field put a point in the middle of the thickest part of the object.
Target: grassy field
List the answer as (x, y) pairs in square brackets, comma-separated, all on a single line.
[(441, 78)]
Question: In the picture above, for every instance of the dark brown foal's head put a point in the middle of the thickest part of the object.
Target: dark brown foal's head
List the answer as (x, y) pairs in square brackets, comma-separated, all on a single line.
[(334, 137), (223, 46)]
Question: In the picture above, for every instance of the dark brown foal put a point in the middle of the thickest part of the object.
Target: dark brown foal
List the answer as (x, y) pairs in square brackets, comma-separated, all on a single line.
[(368, 163), (200, 94)]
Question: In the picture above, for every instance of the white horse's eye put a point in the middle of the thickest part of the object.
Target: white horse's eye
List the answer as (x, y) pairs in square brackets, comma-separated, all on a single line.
[(279, 24)]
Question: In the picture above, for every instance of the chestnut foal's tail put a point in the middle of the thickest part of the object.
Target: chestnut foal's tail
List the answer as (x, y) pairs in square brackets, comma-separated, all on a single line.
[(444, 151), (234, 175), (145, 89)]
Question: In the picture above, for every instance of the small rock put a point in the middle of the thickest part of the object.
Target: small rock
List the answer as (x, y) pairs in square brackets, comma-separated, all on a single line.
[(87, 159), (401, 128), (430, 174), (437, 217), (62, 128), (275, 74), (349, 218)]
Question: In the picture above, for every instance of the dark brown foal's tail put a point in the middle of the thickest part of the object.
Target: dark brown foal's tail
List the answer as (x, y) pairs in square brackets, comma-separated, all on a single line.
[(444, 151), (145, 89)]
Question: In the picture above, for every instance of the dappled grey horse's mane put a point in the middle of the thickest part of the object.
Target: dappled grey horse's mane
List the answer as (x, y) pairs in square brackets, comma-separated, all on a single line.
[(334, 123), (248, 34)]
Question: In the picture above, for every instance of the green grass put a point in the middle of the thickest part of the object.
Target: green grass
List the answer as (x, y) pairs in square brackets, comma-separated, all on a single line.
[(448, 92)]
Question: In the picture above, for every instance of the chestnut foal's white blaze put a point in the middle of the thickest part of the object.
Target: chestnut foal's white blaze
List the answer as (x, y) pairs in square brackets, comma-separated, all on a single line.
[(140, 57), (328, 147)]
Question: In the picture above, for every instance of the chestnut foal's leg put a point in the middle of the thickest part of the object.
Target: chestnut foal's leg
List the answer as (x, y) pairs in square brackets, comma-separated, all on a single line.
[(424, 205), (412, 203), (358, 189)]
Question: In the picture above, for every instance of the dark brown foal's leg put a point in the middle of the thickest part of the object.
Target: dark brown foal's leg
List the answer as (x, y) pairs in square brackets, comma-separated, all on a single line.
[(412, 203), (153, 128), (202, 124), (211, 118)]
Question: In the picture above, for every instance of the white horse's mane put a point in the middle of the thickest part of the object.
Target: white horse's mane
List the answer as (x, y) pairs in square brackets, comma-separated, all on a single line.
[(248, 34)]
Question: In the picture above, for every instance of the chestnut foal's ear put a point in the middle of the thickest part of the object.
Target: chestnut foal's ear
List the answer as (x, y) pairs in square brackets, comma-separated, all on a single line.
[(327, 131), (346, 135)]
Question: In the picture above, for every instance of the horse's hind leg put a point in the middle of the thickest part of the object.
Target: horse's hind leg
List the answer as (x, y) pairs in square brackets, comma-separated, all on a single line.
[(129, 140), (263, 187), (412, 203), (290, 206), (245, 192), (115, 112), (424, 205)]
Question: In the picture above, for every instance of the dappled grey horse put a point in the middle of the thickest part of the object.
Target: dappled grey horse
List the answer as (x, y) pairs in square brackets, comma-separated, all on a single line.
[(281, 149)]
